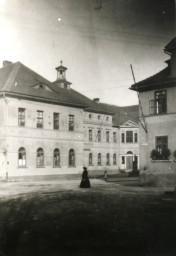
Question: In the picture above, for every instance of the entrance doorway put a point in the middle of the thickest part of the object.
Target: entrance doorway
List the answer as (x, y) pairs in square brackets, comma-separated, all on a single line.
[(129, 160)]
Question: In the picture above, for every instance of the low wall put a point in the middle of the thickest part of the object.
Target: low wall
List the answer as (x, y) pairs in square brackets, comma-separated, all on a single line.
[(149, 178)]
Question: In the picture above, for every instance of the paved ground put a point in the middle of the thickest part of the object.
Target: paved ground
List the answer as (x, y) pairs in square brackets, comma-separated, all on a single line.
[(59, 218)]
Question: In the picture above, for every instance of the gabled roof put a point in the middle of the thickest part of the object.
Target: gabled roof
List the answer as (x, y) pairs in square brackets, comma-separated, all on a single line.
[(123, 114), (128, 124), (18, 79)]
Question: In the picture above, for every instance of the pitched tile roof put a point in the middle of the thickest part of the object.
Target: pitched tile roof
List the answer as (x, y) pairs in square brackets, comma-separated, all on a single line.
[(160, 79), (18, 79), (123, 114), (156, 81)]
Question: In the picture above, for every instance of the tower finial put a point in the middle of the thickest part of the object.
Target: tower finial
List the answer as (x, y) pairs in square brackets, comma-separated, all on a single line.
[(61, 62)]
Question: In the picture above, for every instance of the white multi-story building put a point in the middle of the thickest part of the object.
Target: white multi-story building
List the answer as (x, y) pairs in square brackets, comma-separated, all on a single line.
[(49, 129)]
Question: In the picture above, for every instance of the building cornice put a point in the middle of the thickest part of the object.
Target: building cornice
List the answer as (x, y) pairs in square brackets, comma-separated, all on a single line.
[(40, 99)]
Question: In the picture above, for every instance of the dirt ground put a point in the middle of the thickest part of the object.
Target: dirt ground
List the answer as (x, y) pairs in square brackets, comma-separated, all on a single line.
[(59, 218)]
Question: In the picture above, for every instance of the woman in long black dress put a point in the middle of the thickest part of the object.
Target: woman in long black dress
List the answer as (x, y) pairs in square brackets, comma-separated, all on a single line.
[(85, 183)]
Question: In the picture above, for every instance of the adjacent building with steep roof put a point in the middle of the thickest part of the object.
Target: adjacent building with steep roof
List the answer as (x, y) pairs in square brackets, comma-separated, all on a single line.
[(158, 101), (48, 129)]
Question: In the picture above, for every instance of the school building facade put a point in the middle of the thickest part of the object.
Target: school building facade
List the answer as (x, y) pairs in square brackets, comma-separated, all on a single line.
[(49, 129)]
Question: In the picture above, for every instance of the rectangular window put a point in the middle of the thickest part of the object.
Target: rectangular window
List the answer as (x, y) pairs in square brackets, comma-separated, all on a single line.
[(162, 147), (114, 137), (39, 119), (159, 104), (90, 135), (71, 123), (107, 136), (129, 136), (56, 121), (123, 137), (136, 137), (99, 136), (21, 117)]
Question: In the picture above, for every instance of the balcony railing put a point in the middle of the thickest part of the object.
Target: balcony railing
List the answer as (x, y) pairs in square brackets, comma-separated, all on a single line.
[(158, 107)]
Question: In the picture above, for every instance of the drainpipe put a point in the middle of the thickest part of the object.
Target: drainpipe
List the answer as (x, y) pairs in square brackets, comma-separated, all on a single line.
[(6, 114)]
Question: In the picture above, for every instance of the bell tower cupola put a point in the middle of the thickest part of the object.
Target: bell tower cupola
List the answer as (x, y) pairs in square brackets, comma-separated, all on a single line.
[(61, 71), (61, 77)]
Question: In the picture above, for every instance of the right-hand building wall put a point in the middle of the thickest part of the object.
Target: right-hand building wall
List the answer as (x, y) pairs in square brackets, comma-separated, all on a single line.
[(157, 144)]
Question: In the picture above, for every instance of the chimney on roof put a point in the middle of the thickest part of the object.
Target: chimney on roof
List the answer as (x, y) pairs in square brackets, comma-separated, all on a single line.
[(6, 63), (97, 100)]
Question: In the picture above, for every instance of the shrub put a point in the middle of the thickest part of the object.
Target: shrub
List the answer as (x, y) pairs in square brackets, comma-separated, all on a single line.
[(166, 153), (154, 154)]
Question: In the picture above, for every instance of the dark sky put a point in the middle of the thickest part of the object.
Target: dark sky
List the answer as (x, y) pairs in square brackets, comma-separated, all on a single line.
[(97, 41)]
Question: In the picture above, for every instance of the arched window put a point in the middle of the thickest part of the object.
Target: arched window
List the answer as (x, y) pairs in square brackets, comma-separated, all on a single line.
[(107, 159), (71, 157), (90, 159), (22, 157), (56, 157), (129, 152), (99, 159), (40, 157), (123, 160), (114, 159)]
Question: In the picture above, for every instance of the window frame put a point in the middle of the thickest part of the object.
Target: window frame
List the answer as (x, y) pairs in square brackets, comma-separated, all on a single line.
[(115, 158), (114, 137), (90, 159), (135, 137), (163, 146), (107, 159), (107, 136), (41, 161), (39, 119), (123, 137), (90, 135), (99, 135), (131, 136), (71, 123), (160, 109), (71, 162), (21, 116), (56, 121), (56, 157), (99, 162), (23, 157)]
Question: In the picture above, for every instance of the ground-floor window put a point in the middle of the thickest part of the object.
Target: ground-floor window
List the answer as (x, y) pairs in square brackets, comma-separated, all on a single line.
[(90, 159), (162, 147), (114, 159), (21, 157), (40, 157), (56, 157), (123, 160), (71, 157), (99, 159)]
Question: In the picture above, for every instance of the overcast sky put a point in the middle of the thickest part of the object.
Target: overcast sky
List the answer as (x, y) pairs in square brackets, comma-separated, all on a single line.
[(97, 41)]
